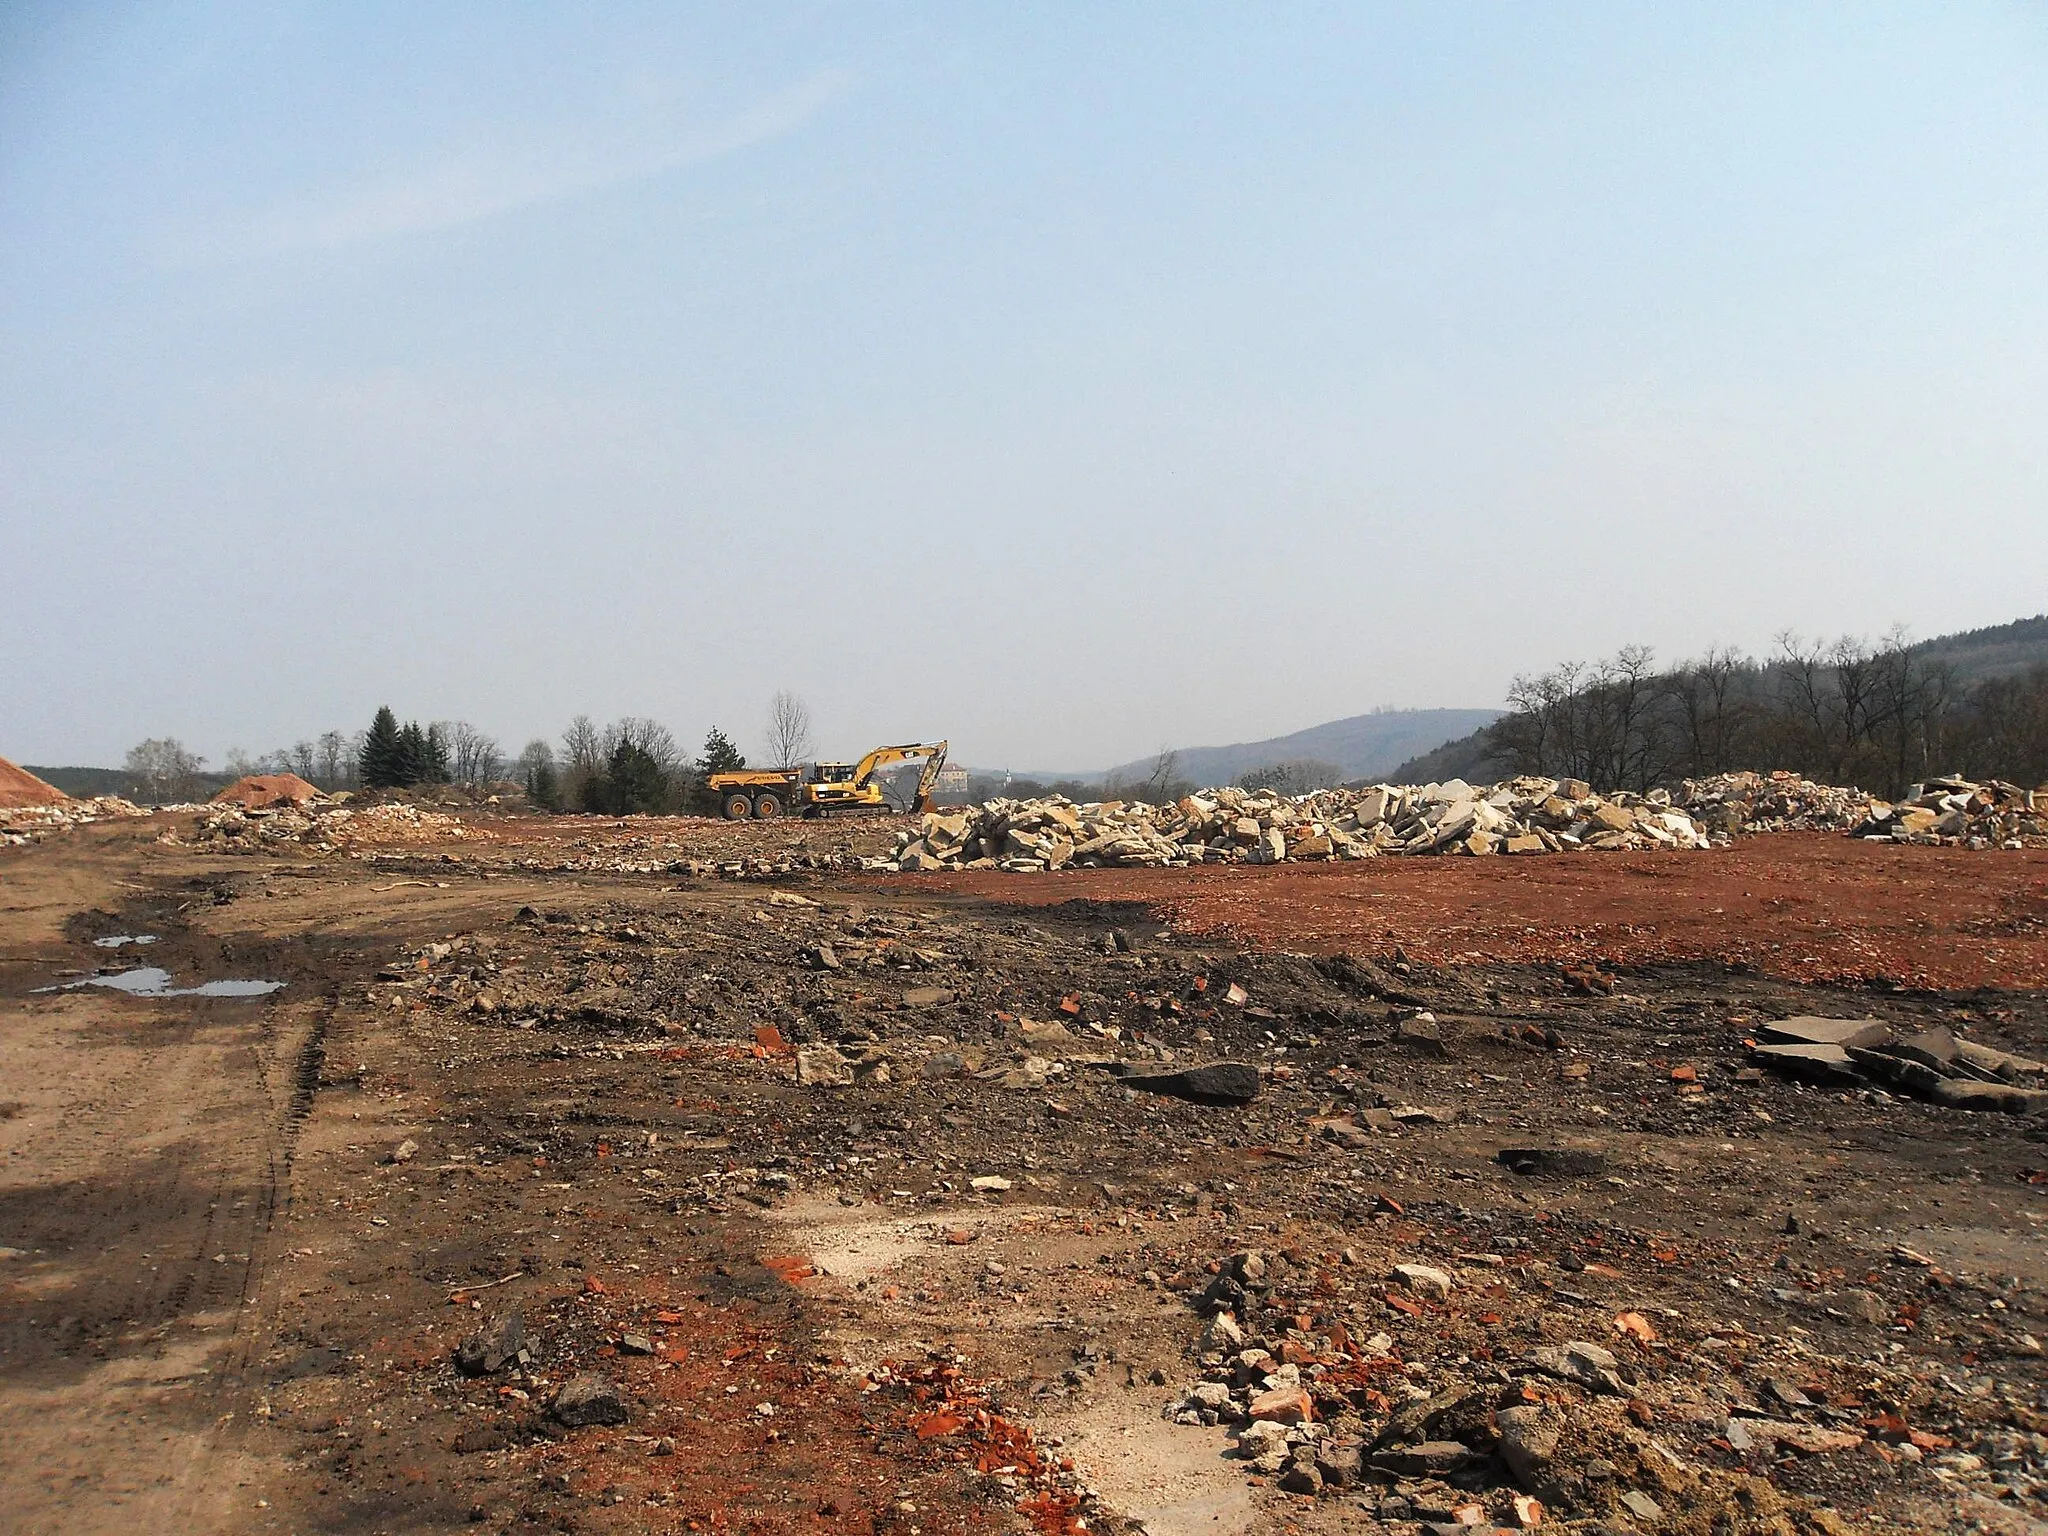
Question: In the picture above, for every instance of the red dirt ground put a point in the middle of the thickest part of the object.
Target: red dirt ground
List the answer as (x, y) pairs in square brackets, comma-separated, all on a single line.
[(1803, 906)]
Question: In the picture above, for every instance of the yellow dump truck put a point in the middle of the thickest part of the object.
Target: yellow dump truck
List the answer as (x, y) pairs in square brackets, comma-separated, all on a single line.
[(825, 789)]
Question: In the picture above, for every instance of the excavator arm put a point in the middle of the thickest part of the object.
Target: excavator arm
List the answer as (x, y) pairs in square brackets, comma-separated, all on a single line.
[(934, 754)]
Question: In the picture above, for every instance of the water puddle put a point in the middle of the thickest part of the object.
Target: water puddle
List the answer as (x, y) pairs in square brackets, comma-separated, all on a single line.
[(115, 941), (151, 981)]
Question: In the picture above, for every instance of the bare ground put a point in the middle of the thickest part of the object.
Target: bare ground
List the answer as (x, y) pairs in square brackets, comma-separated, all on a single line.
[(224, 1308)]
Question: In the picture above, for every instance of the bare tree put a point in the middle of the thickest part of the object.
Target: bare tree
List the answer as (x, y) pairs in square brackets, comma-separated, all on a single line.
[(1709, 714), (582, 758), (301, 758), (333, 754), (473, 757), (163, 770), (789, 730), (239, 764), (1164, 779)]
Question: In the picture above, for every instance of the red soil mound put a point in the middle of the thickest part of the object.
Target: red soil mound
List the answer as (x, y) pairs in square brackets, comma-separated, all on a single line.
[(18, 787), (261, 789)]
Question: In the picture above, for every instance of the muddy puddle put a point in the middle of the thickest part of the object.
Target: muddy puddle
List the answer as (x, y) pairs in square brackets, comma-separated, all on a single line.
[(118, 940), (153, 981)]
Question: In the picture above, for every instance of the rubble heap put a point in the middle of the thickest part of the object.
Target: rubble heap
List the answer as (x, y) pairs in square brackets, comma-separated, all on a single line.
[(31, 823), (1957, 812), (1951, 811), (1242, 826), (323, 827), (1734, 803), (1935, 1064)]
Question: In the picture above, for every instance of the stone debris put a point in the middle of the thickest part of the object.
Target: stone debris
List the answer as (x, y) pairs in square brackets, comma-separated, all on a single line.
[(21, 824), (1240, 826), (1414, 1431), (588, 1399), (1216, 1082), (1957, 813), (1935, 1064), (1951, 812), (323, 827), (500, 1344)]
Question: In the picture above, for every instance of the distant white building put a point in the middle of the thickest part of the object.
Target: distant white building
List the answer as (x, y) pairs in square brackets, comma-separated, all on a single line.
[(952, 779)]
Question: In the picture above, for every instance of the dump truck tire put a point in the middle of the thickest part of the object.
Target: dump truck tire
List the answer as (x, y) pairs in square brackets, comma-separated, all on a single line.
[(738, 807), (767, 806)]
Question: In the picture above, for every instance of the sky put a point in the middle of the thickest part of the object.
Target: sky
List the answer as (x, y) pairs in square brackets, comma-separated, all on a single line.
[(1066, 380)]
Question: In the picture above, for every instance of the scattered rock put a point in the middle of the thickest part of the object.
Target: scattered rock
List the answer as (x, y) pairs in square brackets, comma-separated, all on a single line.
[(588, 1399), (823, 1066), (499, 1343), (1554, 1162), (1528, 1443), (1424, 1280), (1216, 1082)]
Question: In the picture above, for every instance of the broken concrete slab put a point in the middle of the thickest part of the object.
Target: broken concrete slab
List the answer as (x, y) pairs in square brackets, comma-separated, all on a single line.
[(1808, 1029), (1216, 1082), (1821, 1063)]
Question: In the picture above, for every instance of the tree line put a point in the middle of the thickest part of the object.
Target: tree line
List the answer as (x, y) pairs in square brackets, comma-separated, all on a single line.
[(1880, 717)]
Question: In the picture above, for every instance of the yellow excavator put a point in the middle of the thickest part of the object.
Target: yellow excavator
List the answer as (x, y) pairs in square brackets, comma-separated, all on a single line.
[(825, 789)]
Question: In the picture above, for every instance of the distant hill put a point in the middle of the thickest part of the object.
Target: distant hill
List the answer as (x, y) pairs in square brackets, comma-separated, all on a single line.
[(1362, 747), (1998, 651)]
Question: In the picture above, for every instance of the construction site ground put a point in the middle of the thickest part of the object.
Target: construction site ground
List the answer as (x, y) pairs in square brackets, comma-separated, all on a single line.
[(532, 1068)]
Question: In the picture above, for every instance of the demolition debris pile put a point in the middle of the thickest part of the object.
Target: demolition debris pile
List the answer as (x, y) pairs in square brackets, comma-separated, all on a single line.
[(322, 827), (1950, 811), (1241, 826), (21, 824), (1520, 816), (1934, 1064)]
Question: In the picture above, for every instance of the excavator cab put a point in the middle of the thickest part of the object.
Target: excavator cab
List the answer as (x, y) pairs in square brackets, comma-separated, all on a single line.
[(831, 773)]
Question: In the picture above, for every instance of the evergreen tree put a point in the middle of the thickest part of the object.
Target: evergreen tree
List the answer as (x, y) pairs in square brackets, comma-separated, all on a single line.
[(379, 766), (543, 788), (720, 755), (412, 755), (635, 784), (434, 755)]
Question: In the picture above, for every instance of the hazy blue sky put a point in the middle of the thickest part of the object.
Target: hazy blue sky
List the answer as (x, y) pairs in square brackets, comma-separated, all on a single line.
[(1069, 380)]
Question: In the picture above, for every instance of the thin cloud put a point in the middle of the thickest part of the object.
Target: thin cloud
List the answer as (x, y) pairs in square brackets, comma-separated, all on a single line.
[(468, 189)]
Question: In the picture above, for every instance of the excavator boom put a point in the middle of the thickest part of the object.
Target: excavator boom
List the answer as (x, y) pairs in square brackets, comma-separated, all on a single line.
[(934, 754)]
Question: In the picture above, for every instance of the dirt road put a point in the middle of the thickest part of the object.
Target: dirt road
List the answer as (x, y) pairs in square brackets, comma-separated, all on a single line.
[(957, 1287)]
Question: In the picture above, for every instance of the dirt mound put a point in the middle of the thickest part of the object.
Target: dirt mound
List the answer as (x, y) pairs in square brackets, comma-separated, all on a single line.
[(262, 789), (20, 787)]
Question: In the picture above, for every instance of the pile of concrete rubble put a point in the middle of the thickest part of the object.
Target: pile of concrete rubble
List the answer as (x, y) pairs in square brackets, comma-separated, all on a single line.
[(322, 827), (1242, 826), (1734, 803), (1961, 814), (1935, 1064), (31, 823), (1950, 811)]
